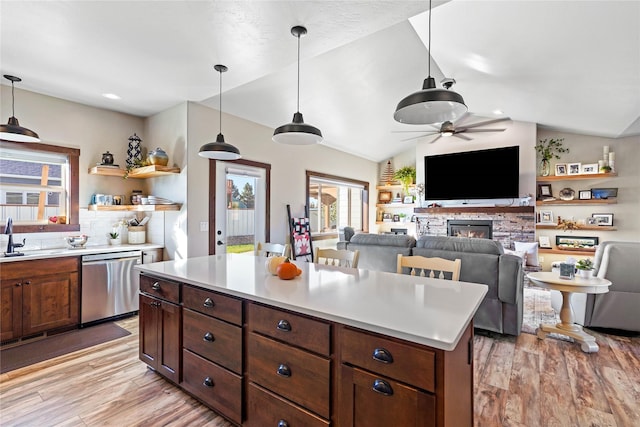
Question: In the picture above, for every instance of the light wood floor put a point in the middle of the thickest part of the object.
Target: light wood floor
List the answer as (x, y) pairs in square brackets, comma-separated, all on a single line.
[(518, 382)]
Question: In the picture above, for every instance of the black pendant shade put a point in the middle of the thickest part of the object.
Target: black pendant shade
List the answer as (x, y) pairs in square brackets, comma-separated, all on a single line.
[(219, 150), (12, 131), (430, 105), (297, 132)]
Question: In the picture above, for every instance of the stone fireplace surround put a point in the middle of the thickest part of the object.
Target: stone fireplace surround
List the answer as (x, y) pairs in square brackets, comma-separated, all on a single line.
[(509, 224)]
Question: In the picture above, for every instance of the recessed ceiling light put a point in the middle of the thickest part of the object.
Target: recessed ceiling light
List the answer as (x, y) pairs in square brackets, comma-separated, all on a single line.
[(498, 112), (111, 95)]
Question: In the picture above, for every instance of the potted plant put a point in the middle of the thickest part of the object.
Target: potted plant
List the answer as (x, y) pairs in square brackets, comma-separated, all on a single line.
[(548, 149), (584, 267), (114, 238), (406, 175)]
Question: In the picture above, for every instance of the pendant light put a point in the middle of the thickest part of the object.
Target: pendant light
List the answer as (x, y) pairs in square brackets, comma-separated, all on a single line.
[(430, 105), (219, 150), (298, 132), (12, 131)]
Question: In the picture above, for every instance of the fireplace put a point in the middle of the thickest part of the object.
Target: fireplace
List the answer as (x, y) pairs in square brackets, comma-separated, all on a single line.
[(482, 229)]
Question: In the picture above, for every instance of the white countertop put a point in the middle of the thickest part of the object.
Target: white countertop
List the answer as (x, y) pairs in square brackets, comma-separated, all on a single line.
[(432, 312), (87, 250)]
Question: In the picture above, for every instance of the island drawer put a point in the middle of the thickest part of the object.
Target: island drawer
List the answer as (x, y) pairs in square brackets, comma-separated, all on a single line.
[(212, 304), (213, 339), (295, 329), (164, 289), (217, 387), (292, 373), (267, 409), (411, 364)]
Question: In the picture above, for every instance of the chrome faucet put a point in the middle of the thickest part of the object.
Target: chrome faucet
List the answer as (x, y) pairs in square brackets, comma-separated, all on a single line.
[(8, 229)]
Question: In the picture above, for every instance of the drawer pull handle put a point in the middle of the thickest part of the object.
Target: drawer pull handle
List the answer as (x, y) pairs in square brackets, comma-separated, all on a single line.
[(284, 326), (208, 337), (283, 423), (382, 387), (208, 303), (208, 382), (156, 286), (284, 371), (382, 355)]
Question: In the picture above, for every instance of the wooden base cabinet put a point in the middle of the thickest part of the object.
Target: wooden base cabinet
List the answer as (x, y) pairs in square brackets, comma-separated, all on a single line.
[(160, 326), (38, 296)]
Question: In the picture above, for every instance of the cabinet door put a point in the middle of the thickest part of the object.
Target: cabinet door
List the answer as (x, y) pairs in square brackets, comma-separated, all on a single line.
[(49, 302), (11, 308), (370, 400), (160, 346)]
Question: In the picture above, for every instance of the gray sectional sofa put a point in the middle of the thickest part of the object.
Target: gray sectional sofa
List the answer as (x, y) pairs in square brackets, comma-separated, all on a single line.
[(483, 261)]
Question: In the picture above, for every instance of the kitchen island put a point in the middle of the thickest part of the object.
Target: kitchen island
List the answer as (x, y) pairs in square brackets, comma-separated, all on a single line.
[(329, 347)]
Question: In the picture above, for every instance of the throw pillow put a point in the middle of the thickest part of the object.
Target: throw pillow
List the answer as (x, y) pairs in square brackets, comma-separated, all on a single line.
[(521, 254), (531, 248)]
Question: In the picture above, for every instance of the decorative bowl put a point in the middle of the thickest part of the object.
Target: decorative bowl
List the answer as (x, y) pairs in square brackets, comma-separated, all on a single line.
[(77, 241)]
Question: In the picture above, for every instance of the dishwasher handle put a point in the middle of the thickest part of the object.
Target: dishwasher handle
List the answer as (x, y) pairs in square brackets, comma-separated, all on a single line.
[(112, 260)]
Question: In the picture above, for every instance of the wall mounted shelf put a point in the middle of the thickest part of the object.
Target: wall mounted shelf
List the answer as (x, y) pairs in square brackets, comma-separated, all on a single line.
[(135, 208), (141, 172), (565, 252), (577, 202), (552, 178), (582, 227)]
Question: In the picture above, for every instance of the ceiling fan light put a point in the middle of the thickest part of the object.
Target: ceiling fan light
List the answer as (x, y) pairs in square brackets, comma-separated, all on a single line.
[(12, 131), (297, 133), (219, 150), (430, 105)]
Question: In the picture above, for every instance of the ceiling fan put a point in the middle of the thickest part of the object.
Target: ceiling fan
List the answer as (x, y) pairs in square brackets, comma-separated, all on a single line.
[(457, 129)]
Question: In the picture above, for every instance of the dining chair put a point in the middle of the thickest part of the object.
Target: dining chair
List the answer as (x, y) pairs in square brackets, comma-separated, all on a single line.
[(273, 249), (417, 263), (338, 257)]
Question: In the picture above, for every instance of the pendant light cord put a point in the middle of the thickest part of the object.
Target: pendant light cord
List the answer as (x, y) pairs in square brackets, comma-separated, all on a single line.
[(13, 101), (298, 107), (220, 111), (429, 38)]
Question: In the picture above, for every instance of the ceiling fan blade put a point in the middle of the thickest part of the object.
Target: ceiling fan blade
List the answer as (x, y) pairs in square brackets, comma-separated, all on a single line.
[(466, 138), (414, 137), (435, 139), (462, 118), (414, 131), (483, 130), (486, 122)]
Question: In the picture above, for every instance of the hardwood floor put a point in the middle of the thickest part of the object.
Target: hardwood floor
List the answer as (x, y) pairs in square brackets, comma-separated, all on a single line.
[(518, 382)]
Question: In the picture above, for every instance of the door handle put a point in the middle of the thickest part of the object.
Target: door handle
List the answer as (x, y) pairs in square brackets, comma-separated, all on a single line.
[(220, 243)]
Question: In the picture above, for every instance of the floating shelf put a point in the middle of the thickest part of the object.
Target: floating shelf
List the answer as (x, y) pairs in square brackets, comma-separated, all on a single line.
[(565, 252), (551, 178), (577, 202), (135, 208), (142, 172), (582, 227), (396, 205)]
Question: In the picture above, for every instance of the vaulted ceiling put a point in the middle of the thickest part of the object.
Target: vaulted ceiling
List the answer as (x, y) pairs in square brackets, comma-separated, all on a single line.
[(567, 65)]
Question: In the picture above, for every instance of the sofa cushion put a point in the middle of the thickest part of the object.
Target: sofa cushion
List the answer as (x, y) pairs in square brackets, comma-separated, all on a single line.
[(460, 244), (400, 240), (380, 251)]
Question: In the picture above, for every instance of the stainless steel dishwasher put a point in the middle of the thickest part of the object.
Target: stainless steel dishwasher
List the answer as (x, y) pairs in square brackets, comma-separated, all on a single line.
[(109, 286)]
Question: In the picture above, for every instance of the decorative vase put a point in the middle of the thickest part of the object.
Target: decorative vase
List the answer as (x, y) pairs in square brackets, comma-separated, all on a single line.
[(545, 167), (585, 274), (134, 151), (158, 157), (115, 242)]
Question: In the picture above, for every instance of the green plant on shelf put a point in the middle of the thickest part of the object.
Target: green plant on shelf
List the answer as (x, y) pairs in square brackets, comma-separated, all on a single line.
[(550, 148), (406, 175), (114, 235)]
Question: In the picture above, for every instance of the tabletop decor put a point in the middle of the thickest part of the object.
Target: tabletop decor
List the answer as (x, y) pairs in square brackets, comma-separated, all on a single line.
[(406, 175), (584, 267), (548, 149)]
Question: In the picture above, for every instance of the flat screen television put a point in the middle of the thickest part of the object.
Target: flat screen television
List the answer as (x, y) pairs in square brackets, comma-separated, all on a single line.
[(471, 175)]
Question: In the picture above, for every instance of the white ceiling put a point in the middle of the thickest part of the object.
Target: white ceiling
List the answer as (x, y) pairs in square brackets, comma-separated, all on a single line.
[(566, 65)]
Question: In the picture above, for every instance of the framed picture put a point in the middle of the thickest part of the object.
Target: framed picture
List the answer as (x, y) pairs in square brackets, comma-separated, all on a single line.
[(384, 196), (544, 191), (561, 168), (590, 168), (544, 242), (591, 221), (407, 200), (584, 194), (574, 168), (396, 218), (386, 217), (604, 193), (546, 217), (576, 243), (605, 219)]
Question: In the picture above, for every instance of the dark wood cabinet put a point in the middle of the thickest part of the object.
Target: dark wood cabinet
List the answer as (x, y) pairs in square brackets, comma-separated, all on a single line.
[(39, 296), (160, 327)]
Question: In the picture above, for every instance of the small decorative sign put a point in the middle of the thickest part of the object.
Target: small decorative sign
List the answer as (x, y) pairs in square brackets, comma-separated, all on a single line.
[(567, 271)]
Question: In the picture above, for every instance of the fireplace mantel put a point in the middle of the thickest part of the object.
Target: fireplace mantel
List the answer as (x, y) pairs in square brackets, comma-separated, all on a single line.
[(471, 208)]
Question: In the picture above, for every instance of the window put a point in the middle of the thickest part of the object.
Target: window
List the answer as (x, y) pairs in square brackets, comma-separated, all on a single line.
[(39, 182), (335, 202)]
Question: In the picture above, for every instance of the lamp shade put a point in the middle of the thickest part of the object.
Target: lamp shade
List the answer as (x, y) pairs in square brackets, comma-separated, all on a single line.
[(12, 131), (219, 150), (430, 105), (297, 132)]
